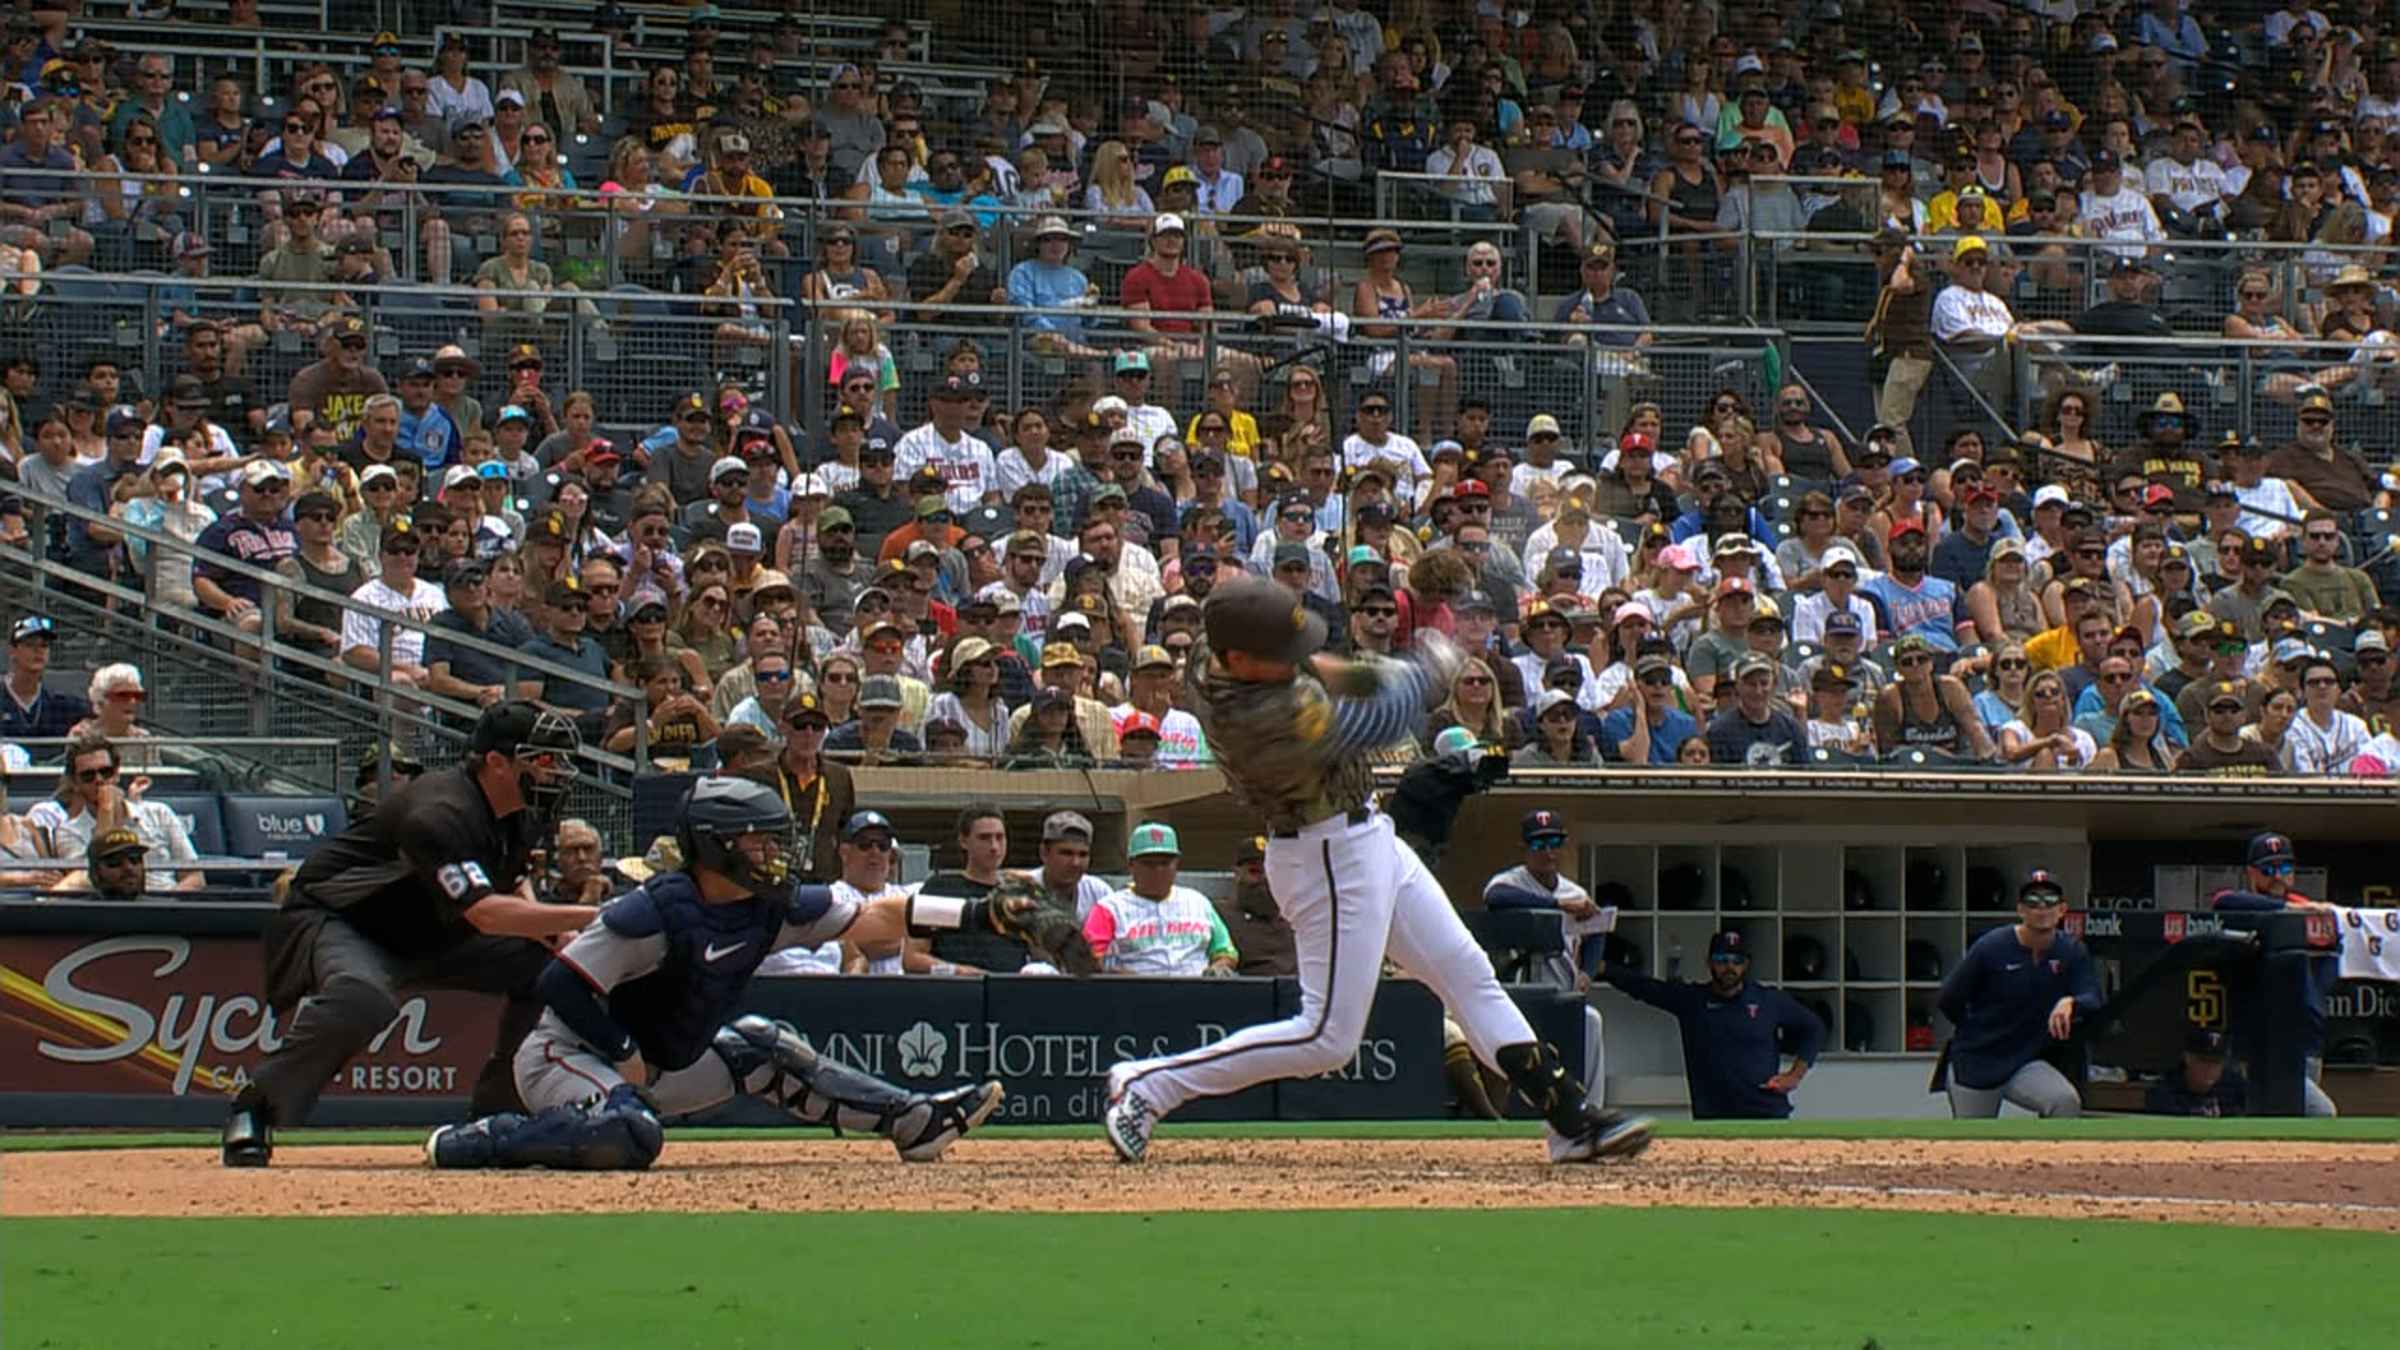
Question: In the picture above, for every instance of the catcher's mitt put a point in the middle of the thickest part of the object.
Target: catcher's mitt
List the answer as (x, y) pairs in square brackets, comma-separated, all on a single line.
[(1021, 910)]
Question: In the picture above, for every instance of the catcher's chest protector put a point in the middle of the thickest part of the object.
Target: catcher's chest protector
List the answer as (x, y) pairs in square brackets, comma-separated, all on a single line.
[(712, 951)]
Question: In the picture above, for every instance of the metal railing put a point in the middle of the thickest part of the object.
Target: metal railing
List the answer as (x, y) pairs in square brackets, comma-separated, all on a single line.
[(603, 240), (639, 351), (2226, 384), (1817, 282), (293, 687), (179, 763)]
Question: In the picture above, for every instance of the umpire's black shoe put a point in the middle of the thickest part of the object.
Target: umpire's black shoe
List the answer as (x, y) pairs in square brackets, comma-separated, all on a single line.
[(248, 1141)]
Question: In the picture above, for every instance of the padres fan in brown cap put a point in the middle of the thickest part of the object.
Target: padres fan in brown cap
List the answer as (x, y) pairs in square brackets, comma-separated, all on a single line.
[(1292, 727)]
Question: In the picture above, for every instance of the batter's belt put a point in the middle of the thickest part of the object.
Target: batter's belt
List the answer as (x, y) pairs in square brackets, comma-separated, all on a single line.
[(1356, 816)]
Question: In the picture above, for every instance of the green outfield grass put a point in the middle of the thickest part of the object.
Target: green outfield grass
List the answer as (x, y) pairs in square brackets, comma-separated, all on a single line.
[(2348, 1128), (1515, 1279)]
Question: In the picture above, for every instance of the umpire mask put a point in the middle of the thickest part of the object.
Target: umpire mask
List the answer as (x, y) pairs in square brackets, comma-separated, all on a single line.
[(546, 762)]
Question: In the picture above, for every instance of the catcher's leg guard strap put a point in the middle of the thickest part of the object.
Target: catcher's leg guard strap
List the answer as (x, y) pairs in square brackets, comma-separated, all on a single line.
[(1535, 1073), (617, 1133), (772, 1061)]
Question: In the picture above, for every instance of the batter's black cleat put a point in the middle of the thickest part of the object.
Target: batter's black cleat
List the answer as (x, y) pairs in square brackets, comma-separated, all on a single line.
[(248, 1140), (1605, 1134)]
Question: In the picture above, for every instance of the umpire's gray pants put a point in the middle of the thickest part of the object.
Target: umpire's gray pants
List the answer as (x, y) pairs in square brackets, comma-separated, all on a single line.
[(2037, 1087)]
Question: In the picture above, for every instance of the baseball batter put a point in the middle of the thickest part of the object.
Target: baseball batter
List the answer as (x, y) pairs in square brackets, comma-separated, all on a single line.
[(1293, 728), (642, 1017)]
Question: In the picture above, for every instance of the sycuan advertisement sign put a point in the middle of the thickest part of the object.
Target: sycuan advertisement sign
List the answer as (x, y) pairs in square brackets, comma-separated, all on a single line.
[(158, 1028)]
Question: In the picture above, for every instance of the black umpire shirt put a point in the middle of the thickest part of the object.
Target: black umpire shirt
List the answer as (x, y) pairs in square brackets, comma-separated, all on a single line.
[(406, 875)]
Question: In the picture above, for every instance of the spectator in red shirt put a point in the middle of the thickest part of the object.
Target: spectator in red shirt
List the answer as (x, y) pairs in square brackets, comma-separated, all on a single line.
[(1180, 295)]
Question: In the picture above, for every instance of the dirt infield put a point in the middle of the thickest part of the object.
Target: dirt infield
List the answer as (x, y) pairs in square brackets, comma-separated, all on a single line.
[(2293, 1185)]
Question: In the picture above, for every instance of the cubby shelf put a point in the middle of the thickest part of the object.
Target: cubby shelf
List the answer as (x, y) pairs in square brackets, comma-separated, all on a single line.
[(1862, 934)]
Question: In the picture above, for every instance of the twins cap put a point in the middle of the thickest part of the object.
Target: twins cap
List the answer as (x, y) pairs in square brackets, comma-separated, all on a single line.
[(2039, 881), (1728, 942), (1542, 825), (1152, 839), (2269, 847)]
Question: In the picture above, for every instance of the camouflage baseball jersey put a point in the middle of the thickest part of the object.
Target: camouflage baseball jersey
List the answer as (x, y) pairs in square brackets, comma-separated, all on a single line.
[(1296, 752)]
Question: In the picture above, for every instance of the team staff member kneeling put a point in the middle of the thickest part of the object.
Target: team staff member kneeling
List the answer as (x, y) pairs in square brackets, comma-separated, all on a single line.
[(428, 892), (2017, 989), (643, 1016)]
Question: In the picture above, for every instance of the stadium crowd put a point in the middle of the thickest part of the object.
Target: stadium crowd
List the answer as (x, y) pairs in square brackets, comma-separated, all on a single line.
[(917, 572)]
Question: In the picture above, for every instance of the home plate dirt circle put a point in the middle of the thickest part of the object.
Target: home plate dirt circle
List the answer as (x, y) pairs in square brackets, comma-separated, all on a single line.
[(2292, 1185)]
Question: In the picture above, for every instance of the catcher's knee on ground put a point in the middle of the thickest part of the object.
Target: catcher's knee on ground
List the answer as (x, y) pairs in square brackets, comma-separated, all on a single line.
[(772, 1061), (616, 1133)]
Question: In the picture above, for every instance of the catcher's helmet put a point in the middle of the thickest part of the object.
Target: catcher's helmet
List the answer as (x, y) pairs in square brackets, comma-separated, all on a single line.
[(1803, 958), (716, 812), (1924, 960)]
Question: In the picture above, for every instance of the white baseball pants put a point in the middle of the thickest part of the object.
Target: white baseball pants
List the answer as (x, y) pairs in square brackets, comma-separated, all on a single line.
[(1351, 892)]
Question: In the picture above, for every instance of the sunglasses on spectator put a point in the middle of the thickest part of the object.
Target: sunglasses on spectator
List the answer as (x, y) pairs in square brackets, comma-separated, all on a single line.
[(355, 344), (772, 676), (2228, 706), (95, 775), (324, 517), (2116, 678), (1380, 611), (838, 677)]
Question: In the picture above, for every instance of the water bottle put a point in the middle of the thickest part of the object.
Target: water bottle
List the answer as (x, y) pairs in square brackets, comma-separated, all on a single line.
[(1675, 957)]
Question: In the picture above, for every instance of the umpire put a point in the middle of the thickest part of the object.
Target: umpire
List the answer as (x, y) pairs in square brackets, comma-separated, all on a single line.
[(426, 893), (1735, 1034)]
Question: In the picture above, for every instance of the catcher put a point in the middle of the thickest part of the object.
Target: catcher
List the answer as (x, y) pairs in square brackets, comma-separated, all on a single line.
[(641, 1007)]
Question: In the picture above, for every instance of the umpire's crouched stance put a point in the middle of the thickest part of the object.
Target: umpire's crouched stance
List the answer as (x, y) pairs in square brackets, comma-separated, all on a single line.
[(423, 894), (2014, 998), (644, 1007)]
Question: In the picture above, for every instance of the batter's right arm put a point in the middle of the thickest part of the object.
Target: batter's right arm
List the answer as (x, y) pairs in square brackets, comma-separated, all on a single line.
[(1390, 701)]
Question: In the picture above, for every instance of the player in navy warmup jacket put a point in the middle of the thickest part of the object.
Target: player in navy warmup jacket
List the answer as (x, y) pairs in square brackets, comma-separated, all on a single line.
[(2018, 989), (1735, 1034), (2269, 873)]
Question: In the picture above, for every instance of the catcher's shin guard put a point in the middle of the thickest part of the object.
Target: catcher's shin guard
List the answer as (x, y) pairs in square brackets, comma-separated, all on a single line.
[(771, 1060), (617, 1133)]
